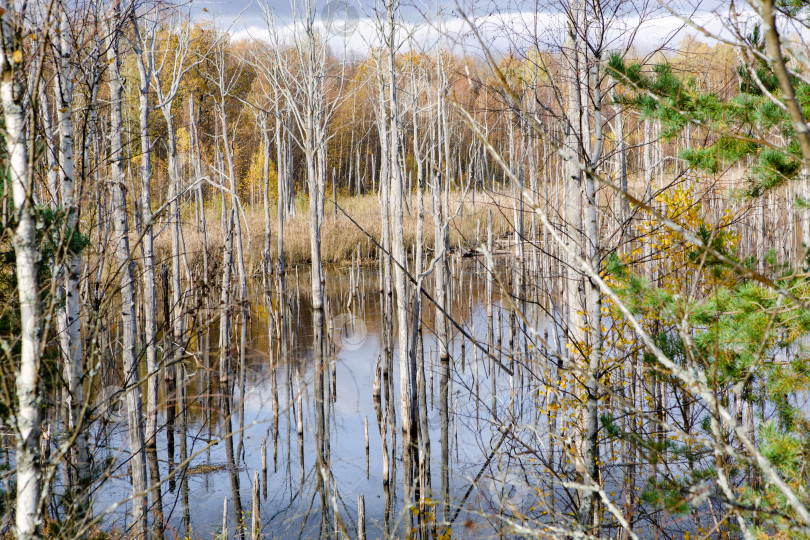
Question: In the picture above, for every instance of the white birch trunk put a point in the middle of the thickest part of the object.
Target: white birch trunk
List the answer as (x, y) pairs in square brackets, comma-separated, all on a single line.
[(314, 226), (441, 244), (594, 313), (281, 183), (406, 387), (71, 338), (573, 182), (128, 319), (52, 151), (150, 297), (268, 237), (174, 226), (226, 143), (27, 420)]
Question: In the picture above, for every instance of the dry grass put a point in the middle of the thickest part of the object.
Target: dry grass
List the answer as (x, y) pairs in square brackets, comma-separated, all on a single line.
[(340, 237), (205, 468)]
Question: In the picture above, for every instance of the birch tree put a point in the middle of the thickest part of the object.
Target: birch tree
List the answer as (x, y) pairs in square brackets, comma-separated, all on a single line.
[(393, 153), (27, 418), (224, 81), (120, 220), (68, 316), (145, 68), (300, 73)]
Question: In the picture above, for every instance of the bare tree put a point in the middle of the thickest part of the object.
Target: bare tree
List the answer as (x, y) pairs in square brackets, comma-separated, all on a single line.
[(392, 153), (126, 272), (145, 68), (224, 81), (300, 75)]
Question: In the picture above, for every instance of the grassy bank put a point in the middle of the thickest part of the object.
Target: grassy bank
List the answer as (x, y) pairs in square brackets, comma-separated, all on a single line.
[(340, 238)]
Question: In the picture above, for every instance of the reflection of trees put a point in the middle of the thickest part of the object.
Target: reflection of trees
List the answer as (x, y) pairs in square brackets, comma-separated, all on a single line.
[(321, 403)]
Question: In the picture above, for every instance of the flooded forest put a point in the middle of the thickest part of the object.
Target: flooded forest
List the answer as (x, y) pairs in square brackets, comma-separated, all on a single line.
[(404, 270)]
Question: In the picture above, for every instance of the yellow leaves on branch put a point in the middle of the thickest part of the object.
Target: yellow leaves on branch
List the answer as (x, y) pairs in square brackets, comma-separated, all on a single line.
[(668, 246), (675, 258)]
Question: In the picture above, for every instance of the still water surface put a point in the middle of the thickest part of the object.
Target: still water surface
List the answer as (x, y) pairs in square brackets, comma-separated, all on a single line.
[(273, 382)]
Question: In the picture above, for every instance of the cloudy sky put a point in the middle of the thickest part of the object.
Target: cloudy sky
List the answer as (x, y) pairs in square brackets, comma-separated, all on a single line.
[(504, 25)]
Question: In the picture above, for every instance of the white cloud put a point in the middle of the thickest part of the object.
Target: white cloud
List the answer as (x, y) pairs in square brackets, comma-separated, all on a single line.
[(501, 31)]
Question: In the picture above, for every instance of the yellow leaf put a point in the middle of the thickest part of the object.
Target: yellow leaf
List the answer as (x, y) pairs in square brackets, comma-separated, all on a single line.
[(17, 56)]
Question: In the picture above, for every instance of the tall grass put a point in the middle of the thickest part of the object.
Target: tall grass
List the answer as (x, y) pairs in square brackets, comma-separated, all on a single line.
[(340, 238)]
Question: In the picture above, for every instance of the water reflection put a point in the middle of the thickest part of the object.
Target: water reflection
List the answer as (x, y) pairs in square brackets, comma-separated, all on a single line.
[(315, 392)]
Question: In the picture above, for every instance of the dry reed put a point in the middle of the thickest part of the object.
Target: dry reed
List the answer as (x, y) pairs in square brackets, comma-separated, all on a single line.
[(340, 237)]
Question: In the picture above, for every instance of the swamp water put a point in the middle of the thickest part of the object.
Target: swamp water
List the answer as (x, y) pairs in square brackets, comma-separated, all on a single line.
[(312, 414)]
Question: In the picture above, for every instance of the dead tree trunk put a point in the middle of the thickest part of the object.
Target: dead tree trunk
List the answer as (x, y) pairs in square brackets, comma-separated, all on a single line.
[(147, 245)]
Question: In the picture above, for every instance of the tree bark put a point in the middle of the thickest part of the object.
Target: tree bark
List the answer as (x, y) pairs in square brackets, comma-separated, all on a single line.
[(147, 246), (406, 387), (281, 184), (27, 420), (267, 266), (128, 319), (70, 325)]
